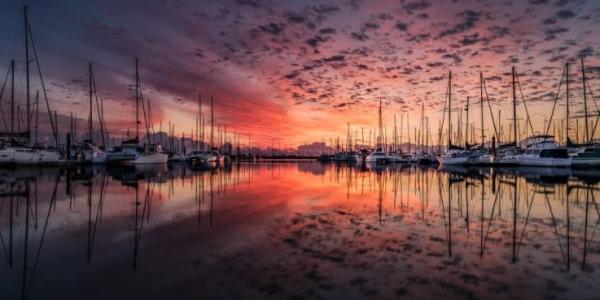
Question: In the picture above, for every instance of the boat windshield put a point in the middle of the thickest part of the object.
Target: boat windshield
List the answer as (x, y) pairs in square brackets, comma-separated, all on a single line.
[(554, 153)]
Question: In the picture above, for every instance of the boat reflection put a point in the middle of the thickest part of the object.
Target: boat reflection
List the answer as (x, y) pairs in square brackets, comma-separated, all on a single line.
[(139, 216)]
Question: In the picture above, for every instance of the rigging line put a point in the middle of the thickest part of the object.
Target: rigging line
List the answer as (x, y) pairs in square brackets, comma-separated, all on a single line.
[(562, 252), (2, 93), (2, 239), (526, 220), (98, 109), (98, 209), (487, 232), (37, 62), (524, 103), (598, 109), (443, 116), (37, 257), (555, 102), (144, 112), (491, 112)]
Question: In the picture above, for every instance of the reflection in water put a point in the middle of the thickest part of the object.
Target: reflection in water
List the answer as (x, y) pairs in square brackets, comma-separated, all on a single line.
[(303, 226)]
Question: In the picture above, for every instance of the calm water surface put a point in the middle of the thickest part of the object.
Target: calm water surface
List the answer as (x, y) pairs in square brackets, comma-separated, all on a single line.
[(299, 231)]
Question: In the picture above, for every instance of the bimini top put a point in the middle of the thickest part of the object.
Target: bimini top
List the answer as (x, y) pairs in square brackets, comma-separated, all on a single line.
[(539, 141)]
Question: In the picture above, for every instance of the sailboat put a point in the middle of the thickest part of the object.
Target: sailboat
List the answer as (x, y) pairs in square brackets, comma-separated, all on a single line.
[(455, 155), (588, 154), (213, 156), (130, 152), (543, 150), (92, 153), (198, 155), (378, 156), (18, 149), (508, 154)]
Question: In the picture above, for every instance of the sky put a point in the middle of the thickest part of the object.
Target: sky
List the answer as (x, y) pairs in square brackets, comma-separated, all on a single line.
[(295, 72)]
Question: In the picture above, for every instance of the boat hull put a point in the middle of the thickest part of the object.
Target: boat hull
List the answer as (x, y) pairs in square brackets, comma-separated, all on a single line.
[(544, 162), (153, 158), (453, 161), (585, 163)]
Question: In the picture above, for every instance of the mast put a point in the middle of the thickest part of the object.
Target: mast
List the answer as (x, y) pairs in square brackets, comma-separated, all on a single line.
[(137, 101), (37, 115), (90, 117), (467, 125), (481, 106), (212, 123), (199, 121), (12, 101), (379, 146), (25, 8), (567, 105), (585, 111), (514, 90), (449, 109)]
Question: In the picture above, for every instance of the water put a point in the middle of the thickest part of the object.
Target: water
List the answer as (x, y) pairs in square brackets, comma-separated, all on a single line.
[(298, 231)]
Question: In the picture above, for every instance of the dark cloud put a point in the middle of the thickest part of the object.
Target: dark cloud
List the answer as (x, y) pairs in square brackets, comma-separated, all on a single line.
[(470, 17), (565, 14), (402, 26), (272, 28), (585, 52), (411, 7)]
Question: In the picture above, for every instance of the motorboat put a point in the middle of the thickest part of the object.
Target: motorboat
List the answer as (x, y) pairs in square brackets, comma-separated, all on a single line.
[(176, 157), (126, 154), (152, 155), (586, 157), (213, 156), (196, 157), (543, 151), (455, 156), (377, 157)]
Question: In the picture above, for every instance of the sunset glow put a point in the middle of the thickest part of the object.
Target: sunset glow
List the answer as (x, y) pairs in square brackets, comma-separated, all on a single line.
[(296, 72)]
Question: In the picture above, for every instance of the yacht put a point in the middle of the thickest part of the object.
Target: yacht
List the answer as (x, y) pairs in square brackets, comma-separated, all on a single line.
[(213, 156), (92, 153), (17, 155), (399, 157), (377, 157), (196, 156), (586, 157), (543, 151), (455, 156), (46, 156), (176, 157), (152, 155), (126, 154)]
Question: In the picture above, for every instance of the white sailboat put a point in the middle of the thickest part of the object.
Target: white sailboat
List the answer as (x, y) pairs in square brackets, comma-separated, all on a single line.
[(152, 155), (126, 154), (17, 149), (455, 155)]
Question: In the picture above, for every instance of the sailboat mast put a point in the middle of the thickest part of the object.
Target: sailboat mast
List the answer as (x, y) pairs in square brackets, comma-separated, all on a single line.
[(199, 124), (25, 9), (567, 104), (37, 115), (481, 107), (379, 145), (514, 90), (467, 124), (585, 111), (90, 120), (212, 123), (137, 101), (12, 101), (449, 108)]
